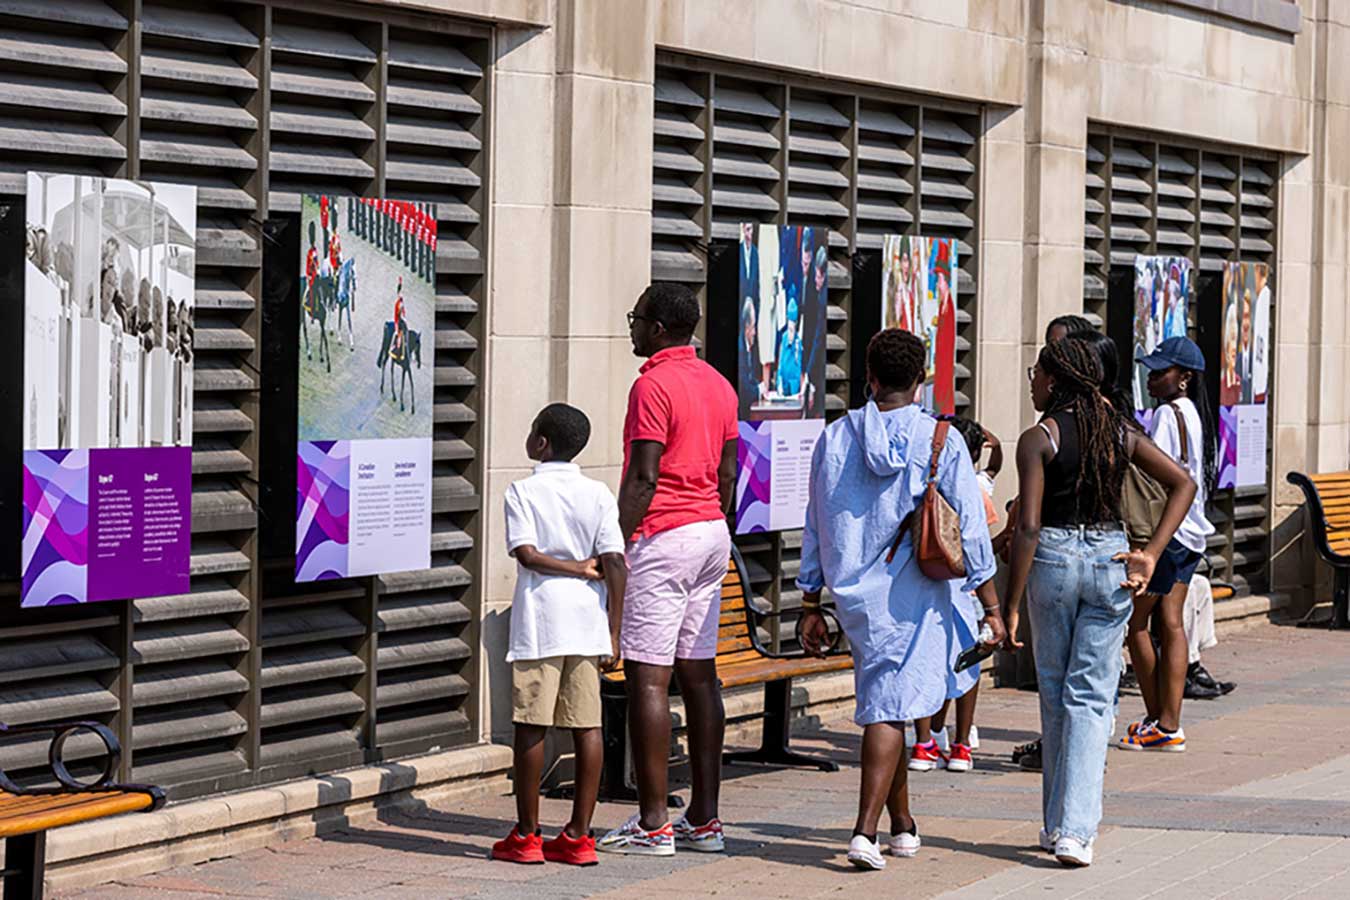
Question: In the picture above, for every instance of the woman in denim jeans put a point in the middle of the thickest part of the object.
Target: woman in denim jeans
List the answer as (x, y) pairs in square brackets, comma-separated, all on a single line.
[(1071, 545)]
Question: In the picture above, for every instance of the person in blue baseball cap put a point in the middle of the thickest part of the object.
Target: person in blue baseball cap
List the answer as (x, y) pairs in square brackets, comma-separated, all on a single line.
[(1182, 427)]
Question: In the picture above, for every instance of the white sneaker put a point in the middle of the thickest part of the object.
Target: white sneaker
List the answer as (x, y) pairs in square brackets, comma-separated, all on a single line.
[(630, 838), (706, 838), (974, 738), (1047, 840), (865, 854), (944, 742), (1072, 852), (905, 844)]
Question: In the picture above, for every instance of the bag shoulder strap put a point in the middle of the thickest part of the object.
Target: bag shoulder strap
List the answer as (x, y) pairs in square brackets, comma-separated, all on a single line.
[(1181, 430), (939, 441)]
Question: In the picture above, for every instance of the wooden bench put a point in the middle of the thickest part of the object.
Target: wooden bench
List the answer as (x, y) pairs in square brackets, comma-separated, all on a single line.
[(743, 658), (27, 814), (1328, 499)]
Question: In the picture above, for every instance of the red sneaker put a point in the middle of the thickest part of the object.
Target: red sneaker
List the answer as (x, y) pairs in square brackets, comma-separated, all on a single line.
[(574, 851), (960, 760), (514, 848), (926, 758)]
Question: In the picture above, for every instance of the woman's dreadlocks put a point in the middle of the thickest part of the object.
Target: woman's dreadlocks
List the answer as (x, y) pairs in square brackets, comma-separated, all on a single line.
[(1077, 371)]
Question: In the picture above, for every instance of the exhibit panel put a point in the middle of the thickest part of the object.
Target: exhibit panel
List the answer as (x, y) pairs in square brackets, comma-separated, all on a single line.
[(736, 144), (243, 677), (1149, 196)]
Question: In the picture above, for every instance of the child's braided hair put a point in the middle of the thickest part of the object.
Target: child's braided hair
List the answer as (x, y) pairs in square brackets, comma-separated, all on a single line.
[(1077, 372)]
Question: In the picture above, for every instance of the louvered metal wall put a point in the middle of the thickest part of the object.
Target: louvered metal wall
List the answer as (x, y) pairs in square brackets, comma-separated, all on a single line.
[(734, 145), (1213, 206), (237, 683)]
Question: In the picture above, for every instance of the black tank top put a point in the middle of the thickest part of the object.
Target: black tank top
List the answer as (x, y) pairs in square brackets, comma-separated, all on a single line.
[(1059, 503)]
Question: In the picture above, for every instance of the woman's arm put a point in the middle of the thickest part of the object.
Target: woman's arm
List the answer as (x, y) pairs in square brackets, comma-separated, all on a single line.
[(1033, 449), (995, 454)]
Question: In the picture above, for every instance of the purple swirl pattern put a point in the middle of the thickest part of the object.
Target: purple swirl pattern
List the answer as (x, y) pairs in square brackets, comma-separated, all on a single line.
[(323, 507), (1228, 440), (55, 527), (754, 466)]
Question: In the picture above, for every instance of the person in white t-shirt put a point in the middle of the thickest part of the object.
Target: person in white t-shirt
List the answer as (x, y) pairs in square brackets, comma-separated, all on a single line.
[(1183, 428), (563, 530)]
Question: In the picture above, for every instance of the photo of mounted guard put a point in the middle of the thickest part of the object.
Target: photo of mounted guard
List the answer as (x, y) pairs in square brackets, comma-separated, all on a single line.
[(367, 295)]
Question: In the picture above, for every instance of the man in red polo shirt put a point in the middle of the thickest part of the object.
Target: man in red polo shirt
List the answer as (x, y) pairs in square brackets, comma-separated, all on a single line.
[(679, 476)]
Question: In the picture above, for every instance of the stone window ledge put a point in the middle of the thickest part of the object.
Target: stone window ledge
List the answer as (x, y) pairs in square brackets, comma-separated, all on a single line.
[(1281, 16)]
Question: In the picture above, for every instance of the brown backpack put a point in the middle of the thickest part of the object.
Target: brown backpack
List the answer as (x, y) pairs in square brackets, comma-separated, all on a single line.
[(935, 525), (1142, 498)]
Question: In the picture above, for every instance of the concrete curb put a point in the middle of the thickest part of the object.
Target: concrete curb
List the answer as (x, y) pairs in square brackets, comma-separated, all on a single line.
[(201, 830), (1239, 613)]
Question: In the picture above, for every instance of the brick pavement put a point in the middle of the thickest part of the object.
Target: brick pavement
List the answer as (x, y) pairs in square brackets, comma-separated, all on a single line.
[(1258, 807)]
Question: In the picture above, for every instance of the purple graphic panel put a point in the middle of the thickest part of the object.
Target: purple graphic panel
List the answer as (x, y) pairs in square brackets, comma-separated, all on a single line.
[(322, 513), (1228, 440), (55, 527), (140, 522), (754, 467)]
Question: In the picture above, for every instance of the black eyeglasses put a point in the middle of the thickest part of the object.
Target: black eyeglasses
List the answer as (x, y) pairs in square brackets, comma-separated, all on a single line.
[(634, 317), (1031, 373)]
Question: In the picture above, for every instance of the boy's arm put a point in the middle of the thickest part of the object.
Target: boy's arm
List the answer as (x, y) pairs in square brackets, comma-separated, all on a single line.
[(616, 582), (995, 454), (529, 556)]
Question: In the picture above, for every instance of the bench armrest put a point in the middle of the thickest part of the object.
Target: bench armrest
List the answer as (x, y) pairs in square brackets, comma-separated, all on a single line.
[(1318, 518), (67, 783), (754, 617)]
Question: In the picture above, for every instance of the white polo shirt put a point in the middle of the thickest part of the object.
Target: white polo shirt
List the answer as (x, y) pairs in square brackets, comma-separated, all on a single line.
[(1194, 531), (566, 515)]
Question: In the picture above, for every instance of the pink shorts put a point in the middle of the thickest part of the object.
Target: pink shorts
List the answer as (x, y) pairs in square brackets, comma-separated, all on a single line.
[(674, 597)]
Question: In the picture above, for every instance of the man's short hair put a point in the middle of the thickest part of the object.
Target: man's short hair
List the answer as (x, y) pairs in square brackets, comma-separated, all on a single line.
[(566, 429), (747, 312), (674, 306), (822, 257), (896, 358)]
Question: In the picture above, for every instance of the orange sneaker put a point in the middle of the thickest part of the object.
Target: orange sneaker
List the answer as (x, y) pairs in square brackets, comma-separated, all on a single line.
[(1150, 737)]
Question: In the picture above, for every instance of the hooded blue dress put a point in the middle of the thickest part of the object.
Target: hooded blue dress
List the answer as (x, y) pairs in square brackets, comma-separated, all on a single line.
[(906, 630)]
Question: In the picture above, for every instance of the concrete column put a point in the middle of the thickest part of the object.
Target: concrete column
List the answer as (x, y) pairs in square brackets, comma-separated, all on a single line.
[(1059, 76)]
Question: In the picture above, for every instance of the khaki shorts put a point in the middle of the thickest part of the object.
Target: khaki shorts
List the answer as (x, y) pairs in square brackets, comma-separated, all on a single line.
[(562, 691)]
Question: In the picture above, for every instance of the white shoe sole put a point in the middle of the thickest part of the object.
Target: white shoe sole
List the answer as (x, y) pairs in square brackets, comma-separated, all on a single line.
[(706, 846), (635, 849), (1072, 862), (901, 852), (1135, 748), (860, 861), (924, 766), (958, 766)]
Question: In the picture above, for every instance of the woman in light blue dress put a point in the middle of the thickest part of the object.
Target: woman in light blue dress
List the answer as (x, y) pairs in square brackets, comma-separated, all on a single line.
[(868, 472)]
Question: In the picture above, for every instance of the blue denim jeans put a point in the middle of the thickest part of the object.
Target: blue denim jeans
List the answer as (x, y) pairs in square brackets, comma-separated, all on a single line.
[(1078, 613)]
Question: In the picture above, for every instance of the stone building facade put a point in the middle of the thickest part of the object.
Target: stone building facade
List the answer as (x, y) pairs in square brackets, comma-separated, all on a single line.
[(578, 149)]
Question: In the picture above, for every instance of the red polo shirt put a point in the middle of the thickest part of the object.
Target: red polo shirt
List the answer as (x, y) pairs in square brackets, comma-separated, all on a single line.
[(685, 404)]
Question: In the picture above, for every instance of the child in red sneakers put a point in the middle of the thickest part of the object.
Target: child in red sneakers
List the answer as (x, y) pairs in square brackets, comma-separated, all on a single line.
[(563, 530), (931, 748)]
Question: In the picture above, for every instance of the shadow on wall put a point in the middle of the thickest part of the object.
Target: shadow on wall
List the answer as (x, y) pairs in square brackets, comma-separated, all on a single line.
[(1294, 567)]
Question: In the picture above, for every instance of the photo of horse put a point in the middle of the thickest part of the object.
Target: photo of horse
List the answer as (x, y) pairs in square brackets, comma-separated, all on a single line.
[(367, 297)]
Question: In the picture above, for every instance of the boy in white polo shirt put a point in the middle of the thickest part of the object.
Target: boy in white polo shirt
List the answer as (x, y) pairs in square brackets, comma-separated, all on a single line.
[(563, 530)]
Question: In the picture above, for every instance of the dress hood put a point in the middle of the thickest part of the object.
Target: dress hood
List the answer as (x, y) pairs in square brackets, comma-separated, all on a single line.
[(887, 438)]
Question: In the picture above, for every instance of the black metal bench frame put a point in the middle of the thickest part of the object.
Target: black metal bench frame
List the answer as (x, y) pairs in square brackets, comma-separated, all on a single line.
[(26, 854), (1340, 563), (775, 742)]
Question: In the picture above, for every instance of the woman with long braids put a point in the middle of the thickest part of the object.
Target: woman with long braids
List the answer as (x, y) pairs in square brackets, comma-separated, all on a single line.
[(1071, 545), (1183, 428)]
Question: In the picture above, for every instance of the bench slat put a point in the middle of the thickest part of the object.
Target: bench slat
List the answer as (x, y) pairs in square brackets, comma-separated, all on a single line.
[(755, 672), (65, 809)]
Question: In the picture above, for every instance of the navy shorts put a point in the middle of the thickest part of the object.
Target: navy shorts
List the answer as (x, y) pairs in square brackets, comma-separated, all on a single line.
[(1175, 566)]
